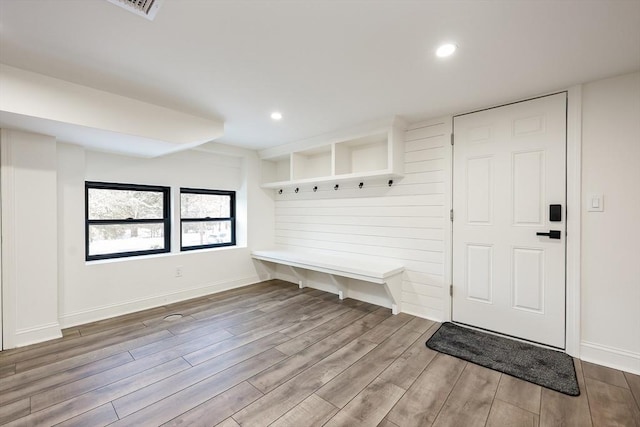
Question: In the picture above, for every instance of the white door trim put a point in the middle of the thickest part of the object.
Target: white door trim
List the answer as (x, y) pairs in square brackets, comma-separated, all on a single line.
[(574, 205), (8, 243), (448, 227), (574, 183)]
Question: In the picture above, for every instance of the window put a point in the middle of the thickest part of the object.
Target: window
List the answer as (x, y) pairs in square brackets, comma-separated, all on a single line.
[(126, 220), (207, 218)]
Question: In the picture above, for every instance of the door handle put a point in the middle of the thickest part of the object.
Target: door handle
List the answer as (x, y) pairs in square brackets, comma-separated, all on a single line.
[(552, 234)]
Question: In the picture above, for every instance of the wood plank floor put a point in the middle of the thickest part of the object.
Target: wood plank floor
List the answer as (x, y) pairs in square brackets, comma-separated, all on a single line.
[(272, 354)]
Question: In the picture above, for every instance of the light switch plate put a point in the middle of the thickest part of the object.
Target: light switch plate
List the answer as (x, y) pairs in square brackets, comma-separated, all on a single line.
[(595, 202)]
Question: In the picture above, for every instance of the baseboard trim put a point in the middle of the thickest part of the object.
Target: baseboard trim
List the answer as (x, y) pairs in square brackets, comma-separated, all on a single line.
[(36, 334), (113, 310), (422, 315), (611, 357), (264, 277)]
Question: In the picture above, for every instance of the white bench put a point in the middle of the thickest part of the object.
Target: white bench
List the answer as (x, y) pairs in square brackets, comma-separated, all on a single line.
[(339, 268)]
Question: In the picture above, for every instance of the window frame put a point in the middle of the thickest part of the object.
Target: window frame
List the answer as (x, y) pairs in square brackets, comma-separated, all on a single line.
[(165, 220), (231, 218)]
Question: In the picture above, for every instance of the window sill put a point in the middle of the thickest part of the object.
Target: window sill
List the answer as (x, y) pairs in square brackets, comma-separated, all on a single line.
[(164, 255)]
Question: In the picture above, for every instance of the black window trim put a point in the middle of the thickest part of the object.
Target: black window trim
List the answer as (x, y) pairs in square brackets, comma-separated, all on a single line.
[(165, 220), (231, 218)]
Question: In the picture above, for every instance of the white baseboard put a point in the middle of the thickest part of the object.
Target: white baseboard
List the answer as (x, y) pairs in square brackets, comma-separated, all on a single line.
[(37, 334), (264, 276), (611, 357), (437, 319), (113, 310)]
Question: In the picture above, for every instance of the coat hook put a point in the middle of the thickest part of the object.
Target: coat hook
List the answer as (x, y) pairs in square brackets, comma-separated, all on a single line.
[(315, 188), (297, 189), (336, 187), (390, 182), (280, 192), (361, 185)]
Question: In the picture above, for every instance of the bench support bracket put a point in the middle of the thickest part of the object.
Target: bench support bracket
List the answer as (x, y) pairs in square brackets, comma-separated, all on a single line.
[(393, 286), (341, 284), (300, 275)]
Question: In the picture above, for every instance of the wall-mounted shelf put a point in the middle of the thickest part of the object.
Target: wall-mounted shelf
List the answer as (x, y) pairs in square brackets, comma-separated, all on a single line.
[(312, 163), (374, 151), (277, 169)]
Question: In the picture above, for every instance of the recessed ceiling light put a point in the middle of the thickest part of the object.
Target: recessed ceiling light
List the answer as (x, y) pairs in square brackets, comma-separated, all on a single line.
[(446, 50), (276, 115)]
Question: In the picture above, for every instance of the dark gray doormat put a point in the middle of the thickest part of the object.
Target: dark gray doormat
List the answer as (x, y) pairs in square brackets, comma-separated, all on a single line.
[(547, 368)]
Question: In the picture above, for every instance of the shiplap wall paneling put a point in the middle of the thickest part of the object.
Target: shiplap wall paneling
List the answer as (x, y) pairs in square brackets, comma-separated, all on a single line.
[(406, 222)]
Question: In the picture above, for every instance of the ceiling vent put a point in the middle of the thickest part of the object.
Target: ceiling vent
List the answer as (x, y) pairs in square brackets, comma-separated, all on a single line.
[(144, 8)]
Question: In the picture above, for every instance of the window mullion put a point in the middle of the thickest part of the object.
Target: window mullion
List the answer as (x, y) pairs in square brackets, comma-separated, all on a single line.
[(127, 221)]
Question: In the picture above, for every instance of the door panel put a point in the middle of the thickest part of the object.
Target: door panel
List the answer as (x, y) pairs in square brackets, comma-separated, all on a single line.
[(527, 191), (479, 189), (528, 279), (509, 166), (479, 282)]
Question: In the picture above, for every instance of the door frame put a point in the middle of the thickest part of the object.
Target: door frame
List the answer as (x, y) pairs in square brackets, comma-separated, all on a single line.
[(573, 213)]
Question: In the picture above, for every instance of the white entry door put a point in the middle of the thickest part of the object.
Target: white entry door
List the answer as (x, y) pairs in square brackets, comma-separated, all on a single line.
[(509, 168)]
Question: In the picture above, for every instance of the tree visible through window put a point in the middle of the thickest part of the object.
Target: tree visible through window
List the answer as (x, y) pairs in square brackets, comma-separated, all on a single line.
[(207, 218), (126, 220)]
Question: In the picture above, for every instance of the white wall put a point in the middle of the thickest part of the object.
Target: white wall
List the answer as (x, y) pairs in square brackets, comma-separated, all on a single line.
[(64, 290), (406, 222), (610, 239), (99, 289), (29, 238)]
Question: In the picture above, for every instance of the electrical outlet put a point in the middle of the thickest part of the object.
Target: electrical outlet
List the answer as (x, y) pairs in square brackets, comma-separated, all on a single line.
[(179, 271)]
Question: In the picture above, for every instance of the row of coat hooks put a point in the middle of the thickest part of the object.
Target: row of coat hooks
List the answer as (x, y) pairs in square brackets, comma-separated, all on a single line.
[(336, 187)]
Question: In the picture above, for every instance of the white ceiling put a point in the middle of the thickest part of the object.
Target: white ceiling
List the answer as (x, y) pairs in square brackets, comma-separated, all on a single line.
[(327, 64)]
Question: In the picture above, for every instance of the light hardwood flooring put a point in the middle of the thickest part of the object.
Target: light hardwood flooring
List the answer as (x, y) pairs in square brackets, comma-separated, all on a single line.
[(271, 354)]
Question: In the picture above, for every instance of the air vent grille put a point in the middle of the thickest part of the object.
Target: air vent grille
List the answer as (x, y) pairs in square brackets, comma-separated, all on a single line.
[(145, 8), (141, 5)]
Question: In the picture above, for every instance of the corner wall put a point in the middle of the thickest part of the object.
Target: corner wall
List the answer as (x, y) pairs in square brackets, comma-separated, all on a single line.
[(29, 238), (47, 282), (610, 239), (99, 289)]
